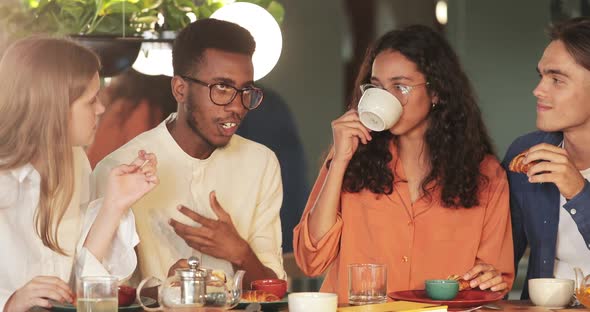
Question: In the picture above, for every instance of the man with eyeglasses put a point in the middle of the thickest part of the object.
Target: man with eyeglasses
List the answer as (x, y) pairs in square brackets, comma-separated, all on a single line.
[(220, 194)]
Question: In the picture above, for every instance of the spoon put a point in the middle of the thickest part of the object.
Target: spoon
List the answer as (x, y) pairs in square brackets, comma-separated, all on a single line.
[(254, 307)]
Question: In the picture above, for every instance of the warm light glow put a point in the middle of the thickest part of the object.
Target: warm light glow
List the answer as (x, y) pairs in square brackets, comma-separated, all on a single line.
[(263, 27), (191, 16), (441, 12), (161, 19), (155, 58)]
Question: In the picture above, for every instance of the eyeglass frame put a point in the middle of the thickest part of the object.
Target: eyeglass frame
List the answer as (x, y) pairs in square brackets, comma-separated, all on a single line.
[(404, 89), (241, 91)]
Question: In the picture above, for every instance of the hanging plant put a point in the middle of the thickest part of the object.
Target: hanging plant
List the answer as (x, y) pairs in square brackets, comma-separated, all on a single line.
[(100, 24), (112, 17)]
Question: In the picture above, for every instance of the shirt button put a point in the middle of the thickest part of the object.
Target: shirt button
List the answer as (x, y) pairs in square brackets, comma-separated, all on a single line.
[(405, 258), (573, 211), (544, 261), (545, 221)]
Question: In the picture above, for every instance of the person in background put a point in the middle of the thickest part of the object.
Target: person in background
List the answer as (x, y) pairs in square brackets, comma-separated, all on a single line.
[(550, 202), (51, 229), (273, 125), (427, 197), (135, 103), (220, 194)]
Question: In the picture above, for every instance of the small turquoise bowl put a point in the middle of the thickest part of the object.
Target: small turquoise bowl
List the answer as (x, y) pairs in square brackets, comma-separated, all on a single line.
[(442, 289)]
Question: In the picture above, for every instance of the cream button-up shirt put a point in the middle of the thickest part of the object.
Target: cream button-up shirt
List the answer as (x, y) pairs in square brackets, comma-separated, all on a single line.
[(23, 254), (246, 178)]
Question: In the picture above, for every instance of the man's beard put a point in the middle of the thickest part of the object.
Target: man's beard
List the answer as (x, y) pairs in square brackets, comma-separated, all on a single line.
[(193, 124)]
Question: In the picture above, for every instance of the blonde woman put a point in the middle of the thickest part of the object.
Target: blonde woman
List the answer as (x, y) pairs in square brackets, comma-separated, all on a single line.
[(50, 230)]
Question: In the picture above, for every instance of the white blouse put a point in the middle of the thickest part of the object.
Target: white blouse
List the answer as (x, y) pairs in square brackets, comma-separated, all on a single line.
[(23, 254)]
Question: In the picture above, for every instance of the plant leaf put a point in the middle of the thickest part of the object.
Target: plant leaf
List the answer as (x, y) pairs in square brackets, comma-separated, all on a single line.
[(277, 11), (119, 6), (149, 4)]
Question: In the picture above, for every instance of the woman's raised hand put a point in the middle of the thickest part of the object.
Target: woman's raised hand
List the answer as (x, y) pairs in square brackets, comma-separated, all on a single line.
[(128, 183), (348, 131)]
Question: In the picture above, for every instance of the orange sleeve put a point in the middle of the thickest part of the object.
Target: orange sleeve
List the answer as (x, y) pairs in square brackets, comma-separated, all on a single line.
[(314, 259), (496, 246)]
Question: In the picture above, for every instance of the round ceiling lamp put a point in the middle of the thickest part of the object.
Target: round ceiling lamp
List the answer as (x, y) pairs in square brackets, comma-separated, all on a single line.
[(263, 27), (441, 12), (155, 58)]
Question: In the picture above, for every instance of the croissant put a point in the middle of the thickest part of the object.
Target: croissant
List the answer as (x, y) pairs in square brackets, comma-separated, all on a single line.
[(517, 165), (217, 278), (463, 284), (259, 296)]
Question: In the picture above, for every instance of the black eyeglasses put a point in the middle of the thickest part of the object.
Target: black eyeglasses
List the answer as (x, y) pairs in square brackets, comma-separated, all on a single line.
[(223, 94)]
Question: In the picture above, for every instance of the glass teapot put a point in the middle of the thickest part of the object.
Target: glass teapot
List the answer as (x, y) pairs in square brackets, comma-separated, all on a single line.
[(196, 287), (582, 289)]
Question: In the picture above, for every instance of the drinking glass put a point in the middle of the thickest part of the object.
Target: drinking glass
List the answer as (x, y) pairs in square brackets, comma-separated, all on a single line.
[(367, 283), (97, 294)]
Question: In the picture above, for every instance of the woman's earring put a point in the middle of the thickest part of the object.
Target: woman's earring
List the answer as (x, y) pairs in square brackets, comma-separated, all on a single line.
[(433, 104)]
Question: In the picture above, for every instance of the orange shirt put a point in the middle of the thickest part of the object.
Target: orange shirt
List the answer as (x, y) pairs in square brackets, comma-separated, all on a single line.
[(417, 241)]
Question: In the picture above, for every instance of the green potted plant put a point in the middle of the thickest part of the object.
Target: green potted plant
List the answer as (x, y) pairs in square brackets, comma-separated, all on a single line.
[(115, 29)]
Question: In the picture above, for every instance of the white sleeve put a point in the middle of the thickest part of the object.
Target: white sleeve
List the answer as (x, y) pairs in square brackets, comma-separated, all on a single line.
[(121, 259), (266, 239), (4, 296)]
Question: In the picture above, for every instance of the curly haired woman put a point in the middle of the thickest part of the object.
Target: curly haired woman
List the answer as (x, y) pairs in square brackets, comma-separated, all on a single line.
[(427, 198)]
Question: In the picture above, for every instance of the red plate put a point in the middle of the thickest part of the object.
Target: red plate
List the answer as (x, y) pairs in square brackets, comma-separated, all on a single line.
[(464, 299)]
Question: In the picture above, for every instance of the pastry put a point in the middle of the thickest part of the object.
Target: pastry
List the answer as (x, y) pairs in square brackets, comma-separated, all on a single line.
[(463, 284), (517, 165), (259, 296)]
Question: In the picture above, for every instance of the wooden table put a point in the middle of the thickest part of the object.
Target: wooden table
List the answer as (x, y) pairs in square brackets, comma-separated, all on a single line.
[(507, 306), (511, 305), (525, 305)]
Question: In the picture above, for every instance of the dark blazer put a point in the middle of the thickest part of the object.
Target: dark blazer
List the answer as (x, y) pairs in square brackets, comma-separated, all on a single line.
[(535, 211)]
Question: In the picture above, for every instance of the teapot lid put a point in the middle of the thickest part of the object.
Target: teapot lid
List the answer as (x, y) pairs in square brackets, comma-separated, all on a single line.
[(193, 272)]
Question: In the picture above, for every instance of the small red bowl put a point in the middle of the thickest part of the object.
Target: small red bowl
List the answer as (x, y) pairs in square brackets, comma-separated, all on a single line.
[(277, 287), (126, 295)]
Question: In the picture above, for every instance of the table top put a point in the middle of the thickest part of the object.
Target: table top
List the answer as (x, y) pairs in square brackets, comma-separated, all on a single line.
[(508, 305), (525, 305), (504, 305)]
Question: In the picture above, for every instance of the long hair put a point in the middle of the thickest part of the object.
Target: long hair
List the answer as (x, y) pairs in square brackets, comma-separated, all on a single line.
[(40, 77), (456, 138)]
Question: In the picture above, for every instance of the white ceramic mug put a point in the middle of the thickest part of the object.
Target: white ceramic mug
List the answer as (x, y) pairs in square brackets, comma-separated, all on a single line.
[(551, 292), (313, 302), (378, 109)]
